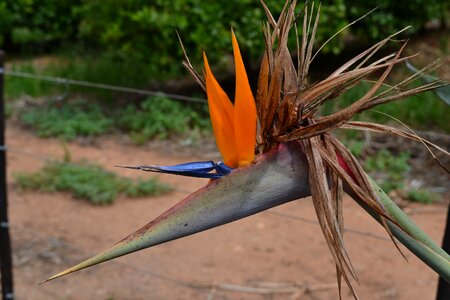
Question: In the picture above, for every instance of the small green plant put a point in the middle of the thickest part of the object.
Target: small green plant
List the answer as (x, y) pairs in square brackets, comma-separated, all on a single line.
[(9, 110), (422, 196), (156, 117), (16, 87), (87, 181), (161, 117), (394, 167), (68, 120)]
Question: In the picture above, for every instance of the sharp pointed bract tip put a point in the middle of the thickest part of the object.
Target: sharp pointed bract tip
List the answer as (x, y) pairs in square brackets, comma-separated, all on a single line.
[(54, 277), (128, 167)]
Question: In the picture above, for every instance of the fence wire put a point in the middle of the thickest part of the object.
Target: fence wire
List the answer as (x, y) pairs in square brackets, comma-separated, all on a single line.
[(96, 85)]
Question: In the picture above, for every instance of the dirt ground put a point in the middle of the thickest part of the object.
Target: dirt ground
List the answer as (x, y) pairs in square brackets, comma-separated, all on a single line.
[(277, 254)]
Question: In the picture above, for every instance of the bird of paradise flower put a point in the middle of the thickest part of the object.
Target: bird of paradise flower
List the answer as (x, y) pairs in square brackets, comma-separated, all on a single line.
[(276, 150)]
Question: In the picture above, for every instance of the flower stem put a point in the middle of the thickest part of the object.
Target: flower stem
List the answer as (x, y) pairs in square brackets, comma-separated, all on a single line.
[(410, 235)]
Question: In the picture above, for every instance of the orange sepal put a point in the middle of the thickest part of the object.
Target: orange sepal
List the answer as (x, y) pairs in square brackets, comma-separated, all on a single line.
[(244, 111), (221, 112)]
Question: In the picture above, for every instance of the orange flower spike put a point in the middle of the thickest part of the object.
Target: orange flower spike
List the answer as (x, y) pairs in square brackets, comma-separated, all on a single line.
[(244, 111), (221, 112)]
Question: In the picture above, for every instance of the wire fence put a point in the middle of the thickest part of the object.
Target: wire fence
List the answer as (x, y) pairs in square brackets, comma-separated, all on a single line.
[(96, 85)]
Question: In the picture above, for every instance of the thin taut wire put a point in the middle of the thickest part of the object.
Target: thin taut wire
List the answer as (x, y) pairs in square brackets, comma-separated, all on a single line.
[(99, 85)]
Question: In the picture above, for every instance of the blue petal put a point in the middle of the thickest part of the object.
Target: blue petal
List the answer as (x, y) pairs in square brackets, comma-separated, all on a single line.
[(200, 169)]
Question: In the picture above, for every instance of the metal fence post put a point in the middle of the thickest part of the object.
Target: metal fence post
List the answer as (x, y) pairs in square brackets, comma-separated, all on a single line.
[(5, 242)]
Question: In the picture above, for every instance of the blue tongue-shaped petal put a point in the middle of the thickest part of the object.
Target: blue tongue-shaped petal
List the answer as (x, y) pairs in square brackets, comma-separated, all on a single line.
[(201, 169)]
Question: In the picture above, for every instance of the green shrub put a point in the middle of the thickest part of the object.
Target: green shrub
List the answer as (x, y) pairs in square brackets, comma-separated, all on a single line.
[(395, 15), (161, 117), (87, 181), (143, 32), (35, 25), (16, 87), (394, 167), (155, 117), (133, 42), (67, 120), (422, 196), (143, 188)]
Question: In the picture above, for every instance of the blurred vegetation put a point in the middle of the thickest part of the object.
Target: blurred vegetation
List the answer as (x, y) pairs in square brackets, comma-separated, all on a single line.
[(38, 25), (67, 121), (16, 87), (140, 35), (394, 15), (155, 117), (161, 117), (423, 196), (393, 167), (87, 181), (132, 42)]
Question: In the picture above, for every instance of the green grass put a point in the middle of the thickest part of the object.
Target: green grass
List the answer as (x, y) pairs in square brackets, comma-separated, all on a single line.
[(17, 87), (394, 167), (422, 196), (67, 120), (87, 181), (159, 117), (156, 117)]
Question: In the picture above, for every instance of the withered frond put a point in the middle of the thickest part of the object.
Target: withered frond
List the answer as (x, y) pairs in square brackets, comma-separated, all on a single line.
[(287, 105), (285, 100), (189, 67), (325, 204)]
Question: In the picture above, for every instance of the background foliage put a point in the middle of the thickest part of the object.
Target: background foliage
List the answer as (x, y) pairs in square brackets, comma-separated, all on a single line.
[(144, 31), (88, 181), (133, 42)]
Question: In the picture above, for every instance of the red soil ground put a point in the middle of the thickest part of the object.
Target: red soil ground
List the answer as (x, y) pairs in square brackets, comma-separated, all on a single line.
[(266, 256)]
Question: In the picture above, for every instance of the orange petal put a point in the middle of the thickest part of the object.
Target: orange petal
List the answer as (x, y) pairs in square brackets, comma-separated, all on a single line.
[(222, 117), (244, 111)]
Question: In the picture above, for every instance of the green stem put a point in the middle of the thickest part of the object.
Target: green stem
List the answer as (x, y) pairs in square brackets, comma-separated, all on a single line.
[(406, 223), (411, 236)]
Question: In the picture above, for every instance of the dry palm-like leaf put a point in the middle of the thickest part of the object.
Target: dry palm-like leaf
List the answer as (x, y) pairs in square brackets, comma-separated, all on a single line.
[(287, 105), (326, 211), (187, 64)]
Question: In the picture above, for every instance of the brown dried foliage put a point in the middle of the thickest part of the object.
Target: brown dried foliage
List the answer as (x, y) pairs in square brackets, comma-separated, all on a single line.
[(287, 104)]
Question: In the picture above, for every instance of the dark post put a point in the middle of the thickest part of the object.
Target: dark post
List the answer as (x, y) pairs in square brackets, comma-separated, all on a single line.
[(5, 242), (443, 292)]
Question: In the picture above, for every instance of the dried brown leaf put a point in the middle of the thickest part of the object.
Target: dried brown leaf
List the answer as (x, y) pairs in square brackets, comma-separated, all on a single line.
[(187, 64), (326, 212)]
